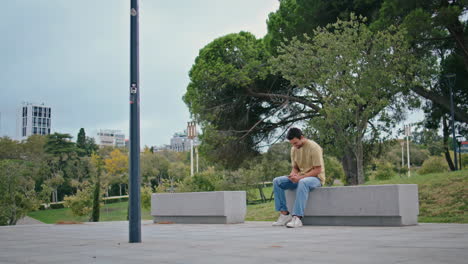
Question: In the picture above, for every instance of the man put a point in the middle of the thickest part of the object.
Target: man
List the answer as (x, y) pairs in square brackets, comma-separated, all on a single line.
[(308, 173)]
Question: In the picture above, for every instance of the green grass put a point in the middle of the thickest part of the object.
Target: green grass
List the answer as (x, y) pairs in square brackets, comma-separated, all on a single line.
[(109, 212), (443, 198), (255, 193)]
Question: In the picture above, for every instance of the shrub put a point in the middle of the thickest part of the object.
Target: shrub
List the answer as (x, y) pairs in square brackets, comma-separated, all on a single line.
[(433, 165), (146, 193), (384, 171), (206, 181), (333, 170), (82, 203)]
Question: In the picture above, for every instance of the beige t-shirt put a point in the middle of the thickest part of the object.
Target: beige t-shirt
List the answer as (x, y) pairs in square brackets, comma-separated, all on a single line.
[(307, 157)]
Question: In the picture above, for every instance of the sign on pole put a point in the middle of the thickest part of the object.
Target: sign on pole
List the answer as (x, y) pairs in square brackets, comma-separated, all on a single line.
[(464, 147)]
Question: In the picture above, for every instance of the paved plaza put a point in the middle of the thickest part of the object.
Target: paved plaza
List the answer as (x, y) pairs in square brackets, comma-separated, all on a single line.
[(252, 242)]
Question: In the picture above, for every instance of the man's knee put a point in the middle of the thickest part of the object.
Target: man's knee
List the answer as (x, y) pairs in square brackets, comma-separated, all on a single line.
[(309, 182), (277, 180)]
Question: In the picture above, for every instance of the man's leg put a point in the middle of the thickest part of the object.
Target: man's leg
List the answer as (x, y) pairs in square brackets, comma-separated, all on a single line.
[(280, 184), (305, 186)]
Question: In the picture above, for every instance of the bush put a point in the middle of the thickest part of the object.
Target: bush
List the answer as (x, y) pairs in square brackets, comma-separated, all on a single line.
[(384, 171), (82, 203), (146, 193), (206, 181), (333, 170), (433, 165)]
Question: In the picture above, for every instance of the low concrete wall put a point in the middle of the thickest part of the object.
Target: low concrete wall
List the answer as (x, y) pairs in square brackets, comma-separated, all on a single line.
[(199, 207), (380, 205)]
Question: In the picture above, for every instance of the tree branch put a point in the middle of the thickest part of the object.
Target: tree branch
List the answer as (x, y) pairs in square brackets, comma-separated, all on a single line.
[(284, 97), (443, 102)]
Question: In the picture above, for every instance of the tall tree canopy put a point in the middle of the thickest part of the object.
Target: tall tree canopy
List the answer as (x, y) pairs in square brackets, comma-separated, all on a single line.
[(229, 94), (358, 79)]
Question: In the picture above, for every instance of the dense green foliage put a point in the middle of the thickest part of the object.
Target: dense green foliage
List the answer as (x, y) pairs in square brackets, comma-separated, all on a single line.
[(433, 165), (17, 195)]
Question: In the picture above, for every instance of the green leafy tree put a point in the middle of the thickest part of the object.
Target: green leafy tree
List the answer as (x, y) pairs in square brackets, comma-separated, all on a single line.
[(17, 194), (433, 27), (9, 148), (62, 163), (81, 140), (97, 165), (227, 94), (117, 166), (86, 145), (81, 204), (294, 18), (357, 79)]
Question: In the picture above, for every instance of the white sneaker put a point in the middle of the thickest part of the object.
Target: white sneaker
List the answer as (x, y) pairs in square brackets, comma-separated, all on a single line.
[(282, 220), (295, 222)]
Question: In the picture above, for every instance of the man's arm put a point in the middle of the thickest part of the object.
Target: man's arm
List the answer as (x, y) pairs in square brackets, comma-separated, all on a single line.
[(311, 173), (314, 172)]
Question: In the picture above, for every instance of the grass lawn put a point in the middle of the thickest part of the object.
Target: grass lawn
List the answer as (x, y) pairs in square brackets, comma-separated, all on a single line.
[(443, 198), (109, 212)]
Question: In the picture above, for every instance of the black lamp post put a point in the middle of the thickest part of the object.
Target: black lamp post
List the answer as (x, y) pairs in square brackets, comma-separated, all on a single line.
[(450, 82), (134, 211)]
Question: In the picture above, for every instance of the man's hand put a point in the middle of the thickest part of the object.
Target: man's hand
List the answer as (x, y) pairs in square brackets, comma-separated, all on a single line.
[(295, 177)]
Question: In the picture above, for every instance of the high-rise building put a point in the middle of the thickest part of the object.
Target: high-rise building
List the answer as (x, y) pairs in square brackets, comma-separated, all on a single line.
[(33, 119), (110, 137)]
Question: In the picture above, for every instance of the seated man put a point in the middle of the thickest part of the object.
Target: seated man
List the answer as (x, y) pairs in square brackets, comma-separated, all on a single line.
[(308, 173)]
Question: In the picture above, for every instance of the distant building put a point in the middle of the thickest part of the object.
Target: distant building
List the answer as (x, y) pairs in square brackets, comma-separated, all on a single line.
[(110, 137), (161, 148), (180, 142), (33, 119)]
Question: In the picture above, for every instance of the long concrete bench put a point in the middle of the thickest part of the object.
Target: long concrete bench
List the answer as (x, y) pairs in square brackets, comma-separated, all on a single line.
[(372, 205), (226, 207)]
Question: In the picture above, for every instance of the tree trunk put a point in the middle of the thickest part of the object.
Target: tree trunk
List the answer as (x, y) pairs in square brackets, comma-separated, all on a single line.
[(353, 165), (446, 133)]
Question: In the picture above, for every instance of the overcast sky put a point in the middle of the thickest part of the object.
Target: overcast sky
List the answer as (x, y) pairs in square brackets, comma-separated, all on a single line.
[(73, 55)]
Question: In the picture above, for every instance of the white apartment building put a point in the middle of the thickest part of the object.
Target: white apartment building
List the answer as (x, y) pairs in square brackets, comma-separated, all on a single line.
[(33, 119), (180, 142), (110, 137)]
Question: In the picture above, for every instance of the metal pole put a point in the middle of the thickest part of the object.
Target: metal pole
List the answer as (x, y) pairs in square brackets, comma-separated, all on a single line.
[(134, 213), (453, 126), (407, 149), (196, 152), (191, 157), (459, 156), (402, 153)]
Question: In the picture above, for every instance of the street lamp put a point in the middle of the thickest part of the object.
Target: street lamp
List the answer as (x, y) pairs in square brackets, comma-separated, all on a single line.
[(450, 80), (134, 211)]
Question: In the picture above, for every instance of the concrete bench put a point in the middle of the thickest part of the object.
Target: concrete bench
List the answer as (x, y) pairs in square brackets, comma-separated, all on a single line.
[(372, 205), (227, 207)]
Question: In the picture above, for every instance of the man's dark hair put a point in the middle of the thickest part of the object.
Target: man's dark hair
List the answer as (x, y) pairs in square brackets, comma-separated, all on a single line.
[(294, 133)]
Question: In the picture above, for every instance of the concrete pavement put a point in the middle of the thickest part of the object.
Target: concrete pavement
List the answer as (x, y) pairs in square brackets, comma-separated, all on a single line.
[(252, 242)]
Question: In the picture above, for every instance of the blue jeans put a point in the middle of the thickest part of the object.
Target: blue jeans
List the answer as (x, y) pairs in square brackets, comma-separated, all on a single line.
[(304, 186)]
